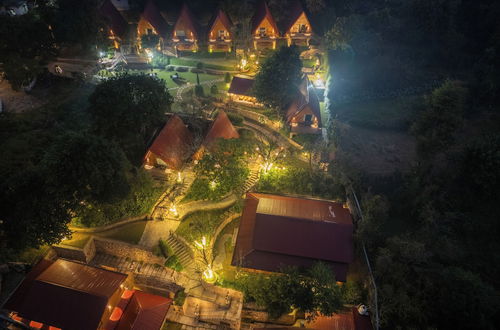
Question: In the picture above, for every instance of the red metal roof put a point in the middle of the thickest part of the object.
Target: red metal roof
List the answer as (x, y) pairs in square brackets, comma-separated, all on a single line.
[(221, 128), (67, 294), (295, 10), (221, 15), (186, 17), (115, 20), (173, 144), (348, 319), (241, 86), (152, 14), (144, 312), (277, 231), (306, 97), (261, 12)]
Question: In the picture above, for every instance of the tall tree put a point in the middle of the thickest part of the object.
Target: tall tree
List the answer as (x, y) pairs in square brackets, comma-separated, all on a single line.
[(86, 167), (438, 124), (32, 213), (26, 47), (277, 80), (127, 109), (79, 23)]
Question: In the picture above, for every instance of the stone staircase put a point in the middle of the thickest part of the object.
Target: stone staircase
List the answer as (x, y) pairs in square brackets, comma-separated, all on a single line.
[(252, 179), (182, 251)]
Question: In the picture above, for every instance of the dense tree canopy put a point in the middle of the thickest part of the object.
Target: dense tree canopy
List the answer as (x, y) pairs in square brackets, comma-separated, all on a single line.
[(127, 109), (312, 291), (27, 45), (79, 23), (222, 169), (277, 80), (87, 167)]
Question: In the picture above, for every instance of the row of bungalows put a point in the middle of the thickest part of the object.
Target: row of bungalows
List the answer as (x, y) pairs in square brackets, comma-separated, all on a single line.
[(183, 31), (175, 144)]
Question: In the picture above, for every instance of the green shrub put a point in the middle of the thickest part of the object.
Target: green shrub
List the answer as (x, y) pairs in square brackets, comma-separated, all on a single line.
[(198, 91), (199, 65), (195, 70), (169, 68), (227, 78), (214, 89), (246, 134), (180, 296), (174, 263), (181, 69), (199, 190), (142, 196), (165, 249), (236, 119)]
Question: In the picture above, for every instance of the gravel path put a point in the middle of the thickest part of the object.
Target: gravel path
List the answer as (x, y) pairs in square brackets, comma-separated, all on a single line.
[(182, 89)]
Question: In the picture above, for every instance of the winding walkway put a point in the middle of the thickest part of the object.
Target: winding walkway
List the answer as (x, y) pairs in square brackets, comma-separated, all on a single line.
[(182, 89)]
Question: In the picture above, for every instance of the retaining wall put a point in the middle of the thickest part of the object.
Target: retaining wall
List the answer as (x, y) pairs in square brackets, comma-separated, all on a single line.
[(125, 250), (85, 254)]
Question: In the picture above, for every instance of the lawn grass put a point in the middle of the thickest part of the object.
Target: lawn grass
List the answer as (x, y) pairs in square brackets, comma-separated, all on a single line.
[(130, 233), (396, 113), (208, 63), (78, 240), (200, 224), (228, 272), (189, 76)]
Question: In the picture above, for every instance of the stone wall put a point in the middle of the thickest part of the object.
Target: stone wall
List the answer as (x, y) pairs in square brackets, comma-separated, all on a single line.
[(154, 283), (125, 250), (84, 254)]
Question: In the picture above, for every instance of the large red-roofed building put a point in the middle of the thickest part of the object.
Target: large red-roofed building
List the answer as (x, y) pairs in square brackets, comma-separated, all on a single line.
[(64, 294), (279, 231)]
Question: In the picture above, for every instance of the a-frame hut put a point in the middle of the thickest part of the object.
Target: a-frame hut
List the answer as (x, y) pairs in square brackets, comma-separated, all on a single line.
[(171, 147), (220, 34)]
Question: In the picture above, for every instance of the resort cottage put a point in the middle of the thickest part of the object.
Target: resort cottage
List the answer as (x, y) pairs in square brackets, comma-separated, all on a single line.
[(278, 231), (171, 147), (64, 294), (264, 28), (185, 34), (219, 34)]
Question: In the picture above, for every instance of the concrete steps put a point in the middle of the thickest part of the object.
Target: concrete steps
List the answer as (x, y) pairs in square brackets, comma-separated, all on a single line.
[(183, 252)]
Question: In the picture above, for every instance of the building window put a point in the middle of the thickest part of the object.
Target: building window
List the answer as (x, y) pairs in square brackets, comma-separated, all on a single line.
[(308, 119), (302, 28), (262, 31), (150, 31), (180, 33), (222, 34)]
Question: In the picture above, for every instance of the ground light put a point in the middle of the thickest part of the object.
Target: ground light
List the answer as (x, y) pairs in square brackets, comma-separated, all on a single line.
[(208, 274), (173, 209)]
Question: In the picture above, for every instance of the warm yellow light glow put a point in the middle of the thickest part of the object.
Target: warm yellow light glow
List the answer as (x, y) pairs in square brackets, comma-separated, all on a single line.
[(173, 209), (267, 166), (213, 185), (201, 245), (179, 178), (209, 275), (243, 62)]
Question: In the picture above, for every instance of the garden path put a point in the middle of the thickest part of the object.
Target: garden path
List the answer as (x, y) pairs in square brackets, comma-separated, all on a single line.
[(182, 89)]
